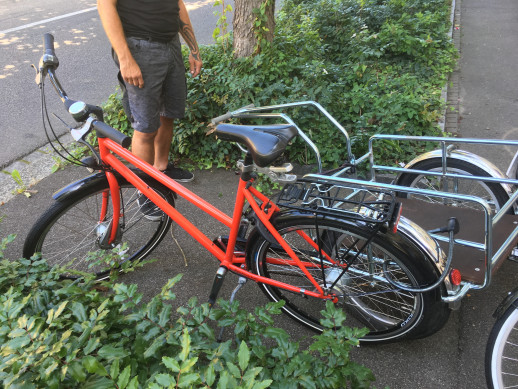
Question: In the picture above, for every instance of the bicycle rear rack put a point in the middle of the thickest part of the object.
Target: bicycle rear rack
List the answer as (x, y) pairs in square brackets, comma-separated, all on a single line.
[(371, 206)]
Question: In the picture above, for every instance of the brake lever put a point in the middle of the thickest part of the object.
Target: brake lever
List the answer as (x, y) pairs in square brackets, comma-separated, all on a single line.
[(38, 77), (79, 133), (79, 136)]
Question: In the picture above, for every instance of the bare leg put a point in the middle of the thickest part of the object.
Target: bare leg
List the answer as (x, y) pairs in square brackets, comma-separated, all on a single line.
[(142, 145), (163, 141)]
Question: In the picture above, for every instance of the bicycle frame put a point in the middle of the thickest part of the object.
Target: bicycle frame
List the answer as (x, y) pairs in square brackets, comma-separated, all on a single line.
[(236, 263)]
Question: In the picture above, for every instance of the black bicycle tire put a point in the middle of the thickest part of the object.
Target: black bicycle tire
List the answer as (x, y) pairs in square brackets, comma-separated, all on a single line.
[(407, 179), (37, 234), (507, 321), (432, 315)]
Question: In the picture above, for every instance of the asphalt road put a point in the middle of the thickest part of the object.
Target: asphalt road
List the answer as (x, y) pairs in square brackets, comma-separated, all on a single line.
[(86, 68)]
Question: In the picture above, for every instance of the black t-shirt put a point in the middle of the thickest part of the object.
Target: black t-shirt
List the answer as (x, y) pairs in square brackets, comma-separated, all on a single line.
[(157, 19)]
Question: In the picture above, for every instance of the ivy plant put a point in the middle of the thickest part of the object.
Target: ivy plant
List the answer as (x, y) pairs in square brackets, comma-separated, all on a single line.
[(58, 333)]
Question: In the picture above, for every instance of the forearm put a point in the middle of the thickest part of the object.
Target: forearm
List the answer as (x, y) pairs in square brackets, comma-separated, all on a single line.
[(113, 27), (130, 71), (187, 31)]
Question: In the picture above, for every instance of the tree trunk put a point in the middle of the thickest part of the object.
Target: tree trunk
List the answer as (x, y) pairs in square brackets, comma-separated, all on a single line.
[(245, 40)]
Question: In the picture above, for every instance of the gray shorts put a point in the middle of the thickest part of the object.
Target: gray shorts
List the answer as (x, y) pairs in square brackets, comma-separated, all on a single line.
[(165, 90)]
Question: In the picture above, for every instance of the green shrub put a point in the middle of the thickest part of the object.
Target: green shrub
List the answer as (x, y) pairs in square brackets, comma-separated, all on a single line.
[(58, 333), (376, 66)]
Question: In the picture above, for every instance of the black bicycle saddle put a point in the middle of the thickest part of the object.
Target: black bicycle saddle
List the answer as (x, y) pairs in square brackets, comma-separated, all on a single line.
[(265, 143)]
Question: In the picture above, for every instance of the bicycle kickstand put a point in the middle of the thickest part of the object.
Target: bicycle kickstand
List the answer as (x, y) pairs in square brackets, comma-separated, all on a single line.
[(241, 281)]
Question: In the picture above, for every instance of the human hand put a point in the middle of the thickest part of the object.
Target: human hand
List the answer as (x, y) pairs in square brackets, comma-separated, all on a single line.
[(131, 73), (195, 64)]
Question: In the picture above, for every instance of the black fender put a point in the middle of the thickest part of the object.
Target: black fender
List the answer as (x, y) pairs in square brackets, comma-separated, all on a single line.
[(511, 300), (398, 240), (95, 179)]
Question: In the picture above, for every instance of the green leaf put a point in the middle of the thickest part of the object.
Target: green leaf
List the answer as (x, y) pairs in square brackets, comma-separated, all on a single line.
[(92, 365), (243, 356), (186, 380), (276, 333), (114, 369), (60, 309), (165, 380), (223, 380), (251, 374), (234, 370), (186, 345), (92, 344), (53, 366), (187, 365), (96, 382), (78, 310), (77, 371), (124, 377), (171, 364), (133, 383), (262, 385), (17, 343), (210, 375), (110, 352)]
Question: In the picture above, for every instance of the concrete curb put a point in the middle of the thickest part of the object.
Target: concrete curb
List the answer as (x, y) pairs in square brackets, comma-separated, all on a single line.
[(32, 168), (452, 115)]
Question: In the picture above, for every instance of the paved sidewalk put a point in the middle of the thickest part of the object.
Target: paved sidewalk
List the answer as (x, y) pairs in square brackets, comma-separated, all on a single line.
[(484, 94)]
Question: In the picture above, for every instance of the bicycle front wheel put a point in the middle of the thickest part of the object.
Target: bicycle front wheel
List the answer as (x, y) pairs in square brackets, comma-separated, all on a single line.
[(493, 193), (71, 231), (365, 295), (502, 352)]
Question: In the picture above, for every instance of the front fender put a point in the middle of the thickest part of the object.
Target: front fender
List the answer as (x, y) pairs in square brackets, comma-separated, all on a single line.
[(94, 180), (465, 156), (67, 191)]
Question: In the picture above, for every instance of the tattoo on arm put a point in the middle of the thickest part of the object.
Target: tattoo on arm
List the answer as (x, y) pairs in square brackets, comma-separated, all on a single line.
[(188, 35)]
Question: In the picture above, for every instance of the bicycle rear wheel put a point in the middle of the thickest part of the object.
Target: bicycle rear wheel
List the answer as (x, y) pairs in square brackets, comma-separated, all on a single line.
[(502, 352), (70, 232), (366, 296), (493, 193)]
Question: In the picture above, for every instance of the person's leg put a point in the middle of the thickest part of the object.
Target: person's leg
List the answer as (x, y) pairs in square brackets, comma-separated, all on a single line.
[(143, 145), (173, 101), (162, 143), (144, 104)]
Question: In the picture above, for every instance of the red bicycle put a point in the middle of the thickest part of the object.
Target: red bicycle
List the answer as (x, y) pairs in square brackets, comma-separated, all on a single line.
[(319, 241)]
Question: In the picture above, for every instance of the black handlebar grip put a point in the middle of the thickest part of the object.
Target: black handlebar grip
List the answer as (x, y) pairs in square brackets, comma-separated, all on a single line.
[(48, 44), (105, 131)]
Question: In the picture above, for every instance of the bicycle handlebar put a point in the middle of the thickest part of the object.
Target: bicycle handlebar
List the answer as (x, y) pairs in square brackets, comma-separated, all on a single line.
[(79, 110)]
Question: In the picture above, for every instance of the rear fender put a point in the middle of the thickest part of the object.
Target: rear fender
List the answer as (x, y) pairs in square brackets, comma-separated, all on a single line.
[(410, 238)]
